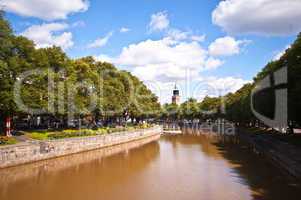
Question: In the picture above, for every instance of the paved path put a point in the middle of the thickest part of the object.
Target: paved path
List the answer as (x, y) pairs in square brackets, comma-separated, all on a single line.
[(21, 138)]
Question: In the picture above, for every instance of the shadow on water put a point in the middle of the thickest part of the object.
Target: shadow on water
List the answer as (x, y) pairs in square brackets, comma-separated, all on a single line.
[(266, 181)]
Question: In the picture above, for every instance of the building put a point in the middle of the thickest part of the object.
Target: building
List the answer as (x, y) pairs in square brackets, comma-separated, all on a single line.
[(176, 96)]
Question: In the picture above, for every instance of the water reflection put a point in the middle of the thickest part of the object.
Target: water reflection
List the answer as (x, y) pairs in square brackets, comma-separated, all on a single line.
[(77, 176), (264, 180), (176, 167)]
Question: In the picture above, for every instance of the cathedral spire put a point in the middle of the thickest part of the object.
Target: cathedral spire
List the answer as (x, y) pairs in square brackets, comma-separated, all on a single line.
[(176, 95)]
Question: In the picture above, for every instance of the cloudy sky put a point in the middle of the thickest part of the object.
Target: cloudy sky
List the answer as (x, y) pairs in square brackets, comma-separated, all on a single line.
[(207, 47)]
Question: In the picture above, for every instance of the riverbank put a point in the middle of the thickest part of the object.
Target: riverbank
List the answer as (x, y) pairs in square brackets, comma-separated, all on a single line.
[(280, 153), (74, 161), (33, 151)]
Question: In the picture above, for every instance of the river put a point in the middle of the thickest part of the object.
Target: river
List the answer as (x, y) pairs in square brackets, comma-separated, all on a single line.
[(182, 167)]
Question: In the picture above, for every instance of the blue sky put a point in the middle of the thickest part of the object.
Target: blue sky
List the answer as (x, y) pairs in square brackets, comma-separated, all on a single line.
[(220, 44)]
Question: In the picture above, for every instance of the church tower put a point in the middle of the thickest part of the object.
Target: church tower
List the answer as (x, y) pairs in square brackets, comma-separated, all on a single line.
[(176, 96)]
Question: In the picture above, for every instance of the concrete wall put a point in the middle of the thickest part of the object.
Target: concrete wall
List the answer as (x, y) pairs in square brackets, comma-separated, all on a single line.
[(34, 151), (73, 162)]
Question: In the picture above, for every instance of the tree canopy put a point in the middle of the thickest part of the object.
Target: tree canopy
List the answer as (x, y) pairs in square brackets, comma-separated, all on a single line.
[(58, 84)]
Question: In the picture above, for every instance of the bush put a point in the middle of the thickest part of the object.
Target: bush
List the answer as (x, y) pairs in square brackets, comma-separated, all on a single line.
[(69, 133), (102, 131), (38, 135), (144, 125)]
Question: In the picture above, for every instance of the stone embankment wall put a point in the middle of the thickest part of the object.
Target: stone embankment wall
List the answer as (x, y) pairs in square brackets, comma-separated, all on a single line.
[(71, 162), (35, 151)]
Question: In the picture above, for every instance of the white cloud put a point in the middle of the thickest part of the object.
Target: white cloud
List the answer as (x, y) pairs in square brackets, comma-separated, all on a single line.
[(279, 54), (78, 24), (100, 42), (163, 59), (104, 58), (166, 60), (124, 30), (226, 46), (45, 9), (217, 86), (225, 85), (262, 17), (161, 63), (213, 63), (46, 35), (198, 38), (178, 35), (159, 21)]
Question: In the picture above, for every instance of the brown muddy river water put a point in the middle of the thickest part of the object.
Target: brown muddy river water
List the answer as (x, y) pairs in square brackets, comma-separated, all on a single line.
[(180, 167)]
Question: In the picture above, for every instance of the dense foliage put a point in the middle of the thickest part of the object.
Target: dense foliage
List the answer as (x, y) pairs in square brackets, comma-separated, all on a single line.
[(59, 85)]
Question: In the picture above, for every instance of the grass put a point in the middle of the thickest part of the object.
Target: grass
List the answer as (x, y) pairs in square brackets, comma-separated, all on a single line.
[(7, 140), (38, 135), (172, 129), (69, 133)]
